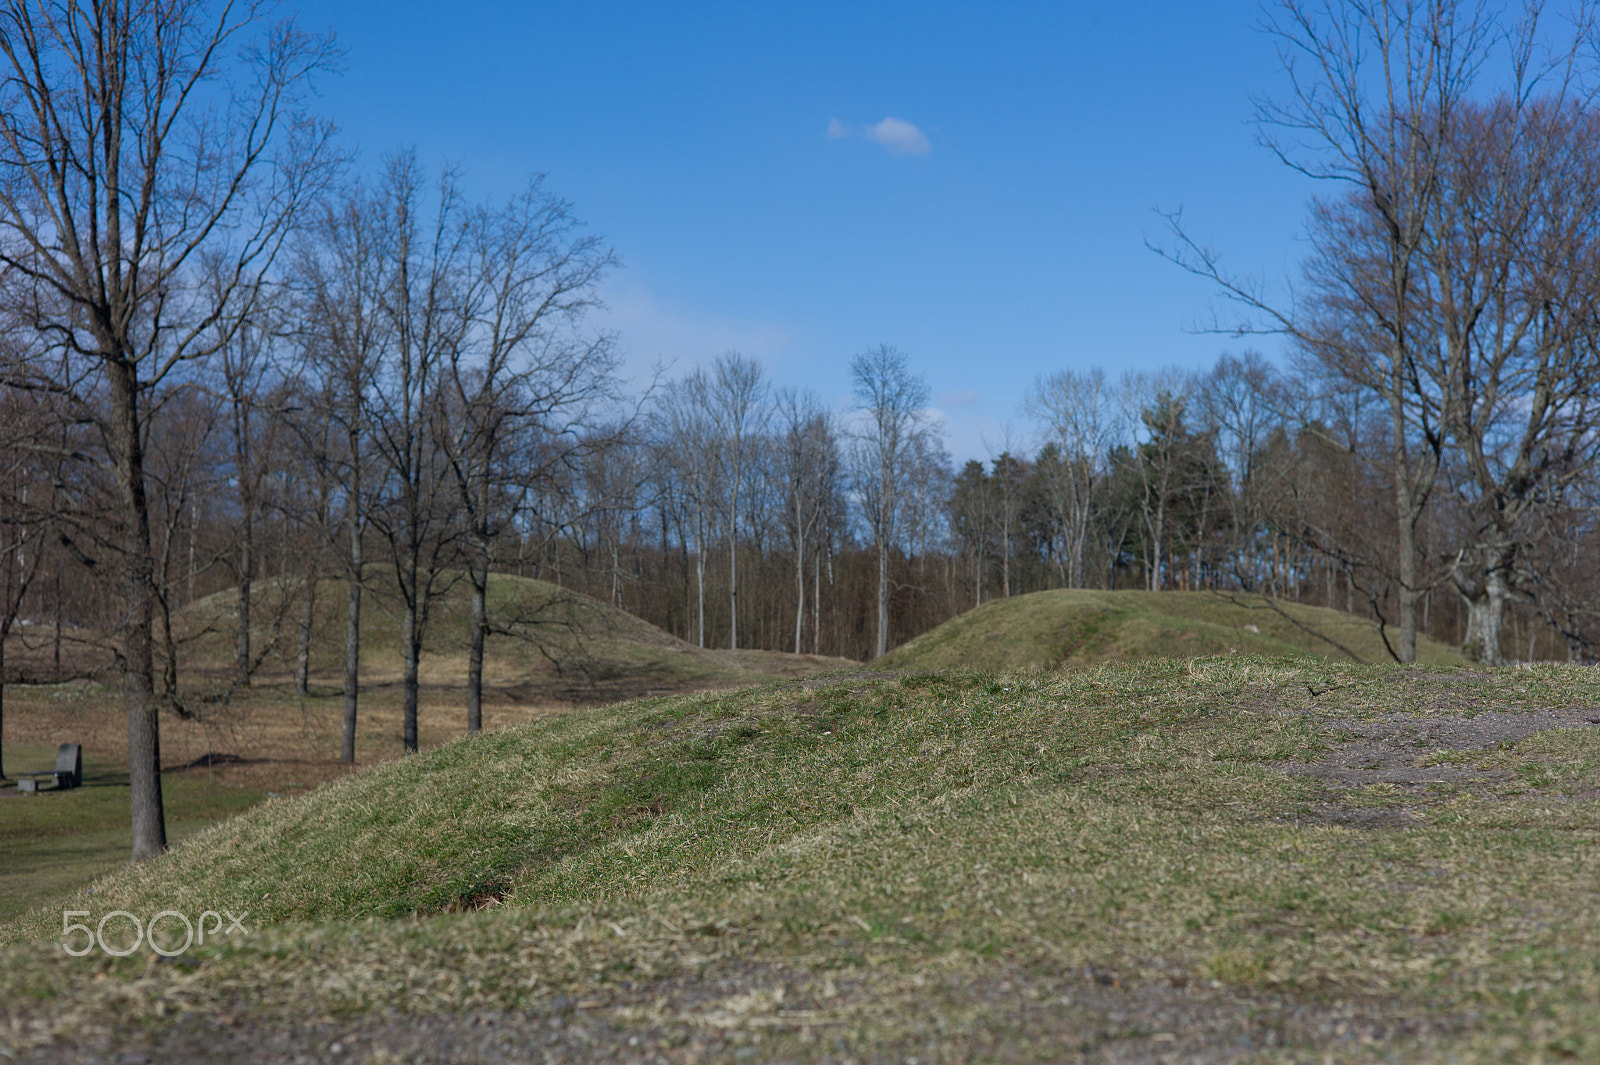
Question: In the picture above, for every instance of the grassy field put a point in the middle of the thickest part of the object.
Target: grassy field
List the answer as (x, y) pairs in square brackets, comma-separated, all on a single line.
[(1046, 630), (553, 645), (1141, 861), (272, 741), (55, 842)]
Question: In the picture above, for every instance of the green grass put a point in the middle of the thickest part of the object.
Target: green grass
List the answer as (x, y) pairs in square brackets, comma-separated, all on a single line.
[(551, 637), (919, 841), (1046, 630), (54, 843), (58, 840)]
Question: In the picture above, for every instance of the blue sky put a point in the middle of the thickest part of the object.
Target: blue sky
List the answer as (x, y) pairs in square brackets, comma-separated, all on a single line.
[(696, 138)]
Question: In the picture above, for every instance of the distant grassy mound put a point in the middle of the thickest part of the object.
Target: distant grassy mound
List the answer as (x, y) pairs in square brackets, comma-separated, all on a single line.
[(941, 866), (552, 652), (547, 642), (1045, 630)]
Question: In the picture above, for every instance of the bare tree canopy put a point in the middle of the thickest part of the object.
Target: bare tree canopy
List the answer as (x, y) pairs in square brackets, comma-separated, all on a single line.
[(892, 403), (1407, 280), (152, 159)]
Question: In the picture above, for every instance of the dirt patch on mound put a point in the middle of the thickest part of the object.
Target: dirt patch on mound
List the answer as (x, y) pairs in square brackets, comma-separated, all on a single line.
[(1420, 759)]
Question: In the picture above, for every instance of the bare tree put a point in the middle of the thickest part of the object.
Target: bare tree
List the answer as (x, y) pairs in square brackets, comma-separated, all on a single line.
[(737, 397), (244, 364), (615, 468), (688, 432), (1238, 402), (128, 155), (310, 507), (892, 404), (810, 459), (972, 518), (1377, 92), (924, 515), (342, 271), (182, 467), (1082, 418), (1514, 262), (525, 366), (426, 313)]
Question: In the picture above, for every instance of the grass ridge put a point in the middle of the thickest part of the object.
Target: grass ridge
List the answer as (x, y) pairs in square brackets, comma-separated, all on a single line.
[(1131, 820)]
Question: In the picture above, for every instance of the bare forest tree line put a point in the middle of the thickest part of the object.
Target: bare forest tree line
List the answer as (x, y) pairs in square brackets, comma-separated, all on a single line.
[(1226, 479)]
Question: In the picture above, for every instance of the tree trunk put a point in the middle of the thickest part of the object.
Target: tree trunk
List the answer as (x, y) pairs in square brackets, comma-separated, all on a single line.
[(55, 643), (688, 585), (883, 599), (1405, 511), (3, 636), (833, 607), (816, 603), (733, 583), (616, 568), (1486, 608), (246, 564), (700, 590), (1407, 543), (169, 657), (137, 625), (352, 641), (1479, 624), (1005, 562), (413, 654), (302, 659), (480, 629), (1157, 530), (799, 580), (1080, 536)]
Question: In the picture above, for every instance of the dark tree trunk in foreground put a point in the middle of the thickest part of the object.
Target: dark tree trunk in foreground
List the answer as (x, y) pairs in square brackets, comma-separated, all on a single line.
[(480, 628), (3, 636), (352, 643), (137, 624)]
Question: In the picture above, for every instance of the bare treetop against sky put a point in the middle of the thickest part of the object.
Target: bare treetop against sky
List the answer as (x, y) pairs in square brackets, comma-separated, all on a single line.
[(970, 183)]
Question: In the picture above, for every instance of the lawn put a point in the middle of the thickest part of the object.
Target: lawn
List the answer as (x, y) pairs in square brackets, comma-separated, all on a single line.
[(1230, 858), (57, 840), (277, 742)]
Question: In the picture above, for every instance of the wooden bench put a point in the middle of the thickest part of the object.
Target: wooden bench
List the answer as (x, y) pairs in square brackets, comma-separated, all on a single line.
[(68, 772)]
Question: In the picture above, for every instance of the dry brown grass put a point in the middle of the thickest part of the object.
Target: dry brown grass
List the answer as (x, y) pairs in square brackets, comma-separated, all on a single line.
[(283, 740), (569, 651)]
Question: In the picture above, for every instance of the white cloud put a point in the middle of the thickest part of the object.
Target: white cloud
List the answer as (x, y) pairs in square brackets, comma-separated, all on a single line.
[(900, 137), (896, 134)]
